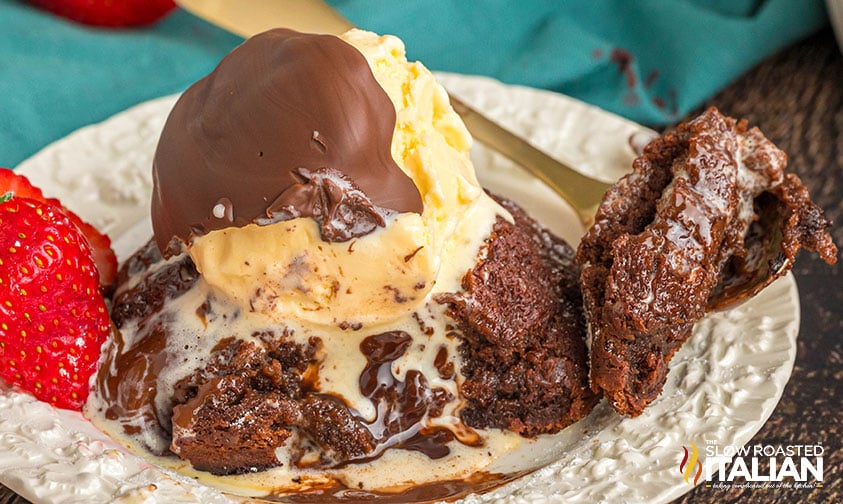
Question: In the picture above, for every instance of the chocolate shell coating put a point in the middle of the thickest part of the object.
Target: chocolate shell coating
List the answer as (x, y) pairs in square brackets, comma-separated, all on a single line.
[(243, 144)]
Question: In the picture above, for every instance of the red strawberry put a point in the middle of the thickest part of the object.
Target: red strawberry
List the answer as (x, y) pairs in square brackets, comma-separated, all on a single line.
[(53, 319), (13, 184), (111, 13), (101, 250)]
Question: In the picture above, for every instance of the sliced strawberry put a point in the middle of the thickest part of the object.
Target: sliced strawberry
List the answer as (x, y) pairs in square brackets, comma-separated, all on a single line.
[(53, 318), (12, 184), (103, 255), (112, 13), (16, 185)]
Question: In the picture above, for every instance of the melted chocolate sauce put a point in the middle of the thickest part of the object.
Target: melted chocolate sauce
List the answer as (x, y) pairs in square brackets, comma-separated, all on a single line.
[(450, 490), (406, 403), (131, 391), (128, 384), (443, 365)]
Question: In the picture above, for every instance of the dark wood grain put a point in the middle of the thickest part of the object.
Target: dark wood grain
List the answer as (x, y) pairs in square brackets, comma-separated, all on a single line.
[(9, 497), (796, 98)]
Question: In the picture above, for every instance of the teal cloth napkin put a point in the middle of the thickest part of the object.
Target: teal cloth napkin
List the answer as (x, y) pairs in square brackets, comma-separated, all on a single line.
[(649, 60)]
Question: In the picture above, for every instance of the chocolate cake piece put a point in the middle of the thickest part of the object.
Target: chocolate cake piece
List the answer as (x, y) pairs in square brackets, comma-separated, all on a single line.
[(668, 233), (143, 301), (231, 416), (788, 220), (207, 430), (523, 356)]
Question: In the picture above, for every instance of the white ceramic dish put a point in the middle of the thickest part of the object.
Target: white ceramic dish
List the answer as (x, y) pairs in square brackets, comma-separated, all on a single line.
[(722, 387)]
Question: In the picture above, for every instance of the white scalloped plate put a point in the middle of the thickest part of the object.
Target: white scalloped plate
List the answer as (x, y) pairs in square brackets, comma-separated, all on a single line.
[(723, 384)]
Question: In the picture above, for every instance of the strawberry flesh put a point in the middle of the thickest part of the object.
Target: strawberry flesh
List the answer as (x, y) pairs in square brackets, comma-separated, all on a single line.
[(53, 318), (16, 185)]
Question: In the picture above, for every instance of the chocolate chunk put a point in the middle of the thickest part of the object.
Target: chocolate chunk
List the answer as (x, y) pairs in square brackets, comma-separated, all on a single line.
[(142, 301), (230, 428), (247, 400), (338, 433)]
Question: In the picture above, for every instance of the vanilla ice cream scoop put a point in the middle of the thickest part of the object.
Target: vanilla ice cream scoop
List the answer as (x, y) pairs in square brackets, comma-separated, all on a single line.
[(287, 125), (327, 186)]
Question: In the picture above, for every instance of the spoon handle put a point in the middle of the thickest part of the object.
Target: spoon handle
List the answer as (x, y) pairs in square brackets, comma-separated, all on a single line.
[(583, 193)]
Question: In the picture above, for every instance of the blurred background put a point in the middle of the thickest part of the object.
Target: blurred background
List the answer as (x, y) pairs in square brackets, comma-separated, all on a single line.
[(650, 60)]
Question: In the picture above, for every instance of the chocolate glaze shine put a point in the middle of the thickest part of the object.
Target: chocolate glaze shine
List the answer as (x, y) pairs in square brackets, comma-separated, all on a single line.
[(238, 150)]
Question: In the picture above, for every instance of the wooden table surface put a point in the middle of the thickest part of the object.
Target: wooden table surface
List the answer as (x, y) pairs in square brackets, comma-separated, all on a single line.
[(796, 98)]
